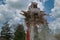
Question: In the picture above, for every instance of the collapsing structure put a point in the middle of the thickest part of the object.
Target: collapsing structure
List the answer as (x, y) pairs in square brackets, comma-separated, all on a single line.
[(37, 25)]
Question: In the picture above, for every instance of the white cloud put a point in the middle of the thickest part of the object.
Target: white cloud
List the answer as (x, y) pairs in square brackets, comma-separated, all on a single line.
[(56, 14), (18, 4), (41, 6), (23, 4), (56, 9), (10, 11), (8, 14), (43, 0)]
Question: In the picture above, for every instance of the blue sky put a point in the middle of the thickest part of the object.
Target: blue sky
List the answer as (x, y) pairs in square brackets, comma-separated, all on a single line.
[(2, 2), (8, 11), (49, 4)]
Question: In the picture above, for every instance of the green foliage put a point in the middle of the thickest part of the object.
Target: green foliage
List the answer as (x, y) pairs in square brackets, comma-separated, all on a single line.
[(5, 33), (20, 33)]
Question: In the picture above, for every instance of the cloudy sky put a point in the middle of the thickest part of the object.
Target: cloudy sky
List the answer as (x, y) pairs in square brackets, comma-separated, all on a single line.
[(10, 9), (55, 12)]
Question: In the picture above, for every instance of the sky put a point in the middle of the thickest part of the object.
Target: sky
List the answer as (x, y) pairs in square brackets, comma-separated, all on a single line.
[(10, 10), (49, 4), (55, 12)]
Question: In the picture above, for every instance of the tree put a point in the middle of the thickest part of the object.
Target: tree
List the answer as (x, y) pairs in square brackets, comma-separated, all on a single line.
[(5, 33), (20, 33)]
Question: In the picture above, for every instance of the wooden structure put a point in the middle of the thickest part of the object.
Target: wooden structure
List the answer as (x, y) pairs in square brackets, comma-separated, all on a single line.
[(34, 17)]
